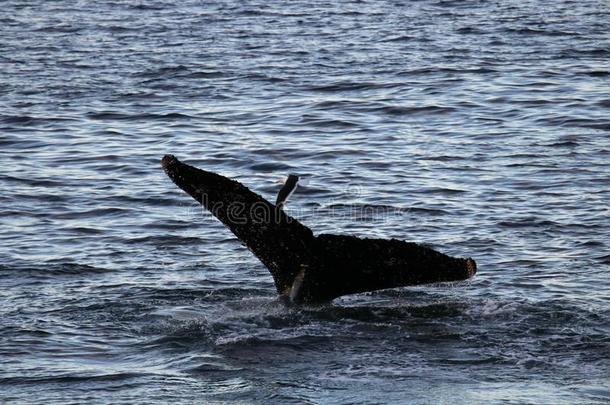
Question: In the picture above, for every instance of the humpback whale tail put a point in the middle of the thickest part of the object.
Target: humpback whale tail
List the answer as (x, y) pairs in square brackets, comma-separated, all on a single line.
[(308, 268)]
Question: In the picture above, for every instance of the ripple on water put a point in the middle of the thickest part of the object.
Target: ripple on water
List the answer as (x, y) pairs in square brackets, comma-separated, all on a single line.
[(478, 128)]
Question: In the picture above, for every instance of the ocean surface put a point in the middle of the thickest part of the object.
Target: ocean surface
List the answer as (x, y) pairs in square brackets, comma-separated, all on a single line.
[(480, 128)]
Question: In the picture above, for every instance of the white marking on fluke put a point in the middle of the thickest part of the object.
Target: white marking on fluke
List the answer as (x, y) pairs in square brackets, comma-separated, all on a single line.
[(296, 284)]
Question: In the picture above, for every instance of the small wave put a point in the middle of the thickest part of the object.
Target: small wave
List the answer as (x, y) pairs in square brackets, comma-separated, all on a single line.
[(12, 331), (604, 103), (213, 74), (445, 158), (253, 12), (70, 378), (17, 119), (604, 259), (270, 167), (33, 182), (92, 213), (352, 86), (446, 70), (264, 78), (147, 7), (28, 120), (473, 360), (332, 104), (593, 243), (595, 52), (428, 211), (240, 344), (564, 144), (429, 109), (598, 73), (164, 240), (50, 269), (400, 38), (600, 124), (152, 201), (213, 368), (63, 29), (533, 31), (326, 122), (213, 292), (83, 230), (163, 71), (469, 30), (441, 190), (180, 333), (122, 28), (528, 222), (114, 116)]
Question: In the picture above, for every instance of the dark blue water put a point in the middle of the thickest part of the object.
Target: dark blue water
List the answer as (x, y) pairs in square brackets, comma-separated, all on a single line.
[(478, 127)]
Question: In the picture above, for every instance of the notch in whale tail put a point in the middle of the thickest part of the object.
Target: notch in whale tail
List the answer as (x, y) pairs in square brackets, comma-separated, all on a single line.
[(308, 268)]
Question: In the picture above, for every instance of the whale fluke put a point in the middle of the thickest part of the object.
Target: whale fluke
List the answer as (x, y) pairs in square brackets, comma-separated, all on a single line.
[(287, 189), (308, 268)]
